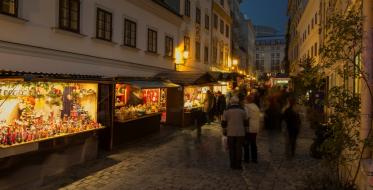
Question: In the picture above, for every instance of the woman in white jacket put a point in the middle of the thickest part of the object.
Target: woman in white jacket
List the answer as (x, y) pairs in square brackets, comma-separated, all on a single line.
[(254, 114)]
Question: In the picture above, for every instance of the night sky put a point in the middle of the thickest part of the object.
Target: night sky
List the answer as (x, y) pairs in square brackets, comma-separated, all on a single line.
[(266, 12)]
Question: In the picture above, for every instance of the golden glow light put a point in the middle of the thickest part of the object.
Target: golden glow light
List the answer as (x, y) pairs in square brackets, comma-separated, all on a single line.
[(186, 55), (235, 62)]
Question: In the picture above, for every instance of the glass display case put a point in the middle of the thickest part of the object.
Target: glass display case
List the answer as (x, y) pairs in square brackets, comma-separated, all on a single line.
[(194, 97), (36, 111), (132, 102)]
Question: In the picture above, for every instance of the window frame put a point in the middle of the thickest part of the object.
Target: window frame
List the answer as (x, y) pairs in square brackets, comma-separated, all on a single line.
[(16, 3), (60, 19), (207, 22), (131, 24), (169, 41), (151, 34), (198, 50), (187, 8), (111, 24), (186, 43), (198, 15)]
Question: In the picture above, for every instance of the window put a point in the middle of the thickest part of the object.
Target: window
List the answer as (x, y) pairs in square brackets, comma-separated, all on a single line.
[(69, 18), (186, 43), (9, 7), (169, 47), (187, 8), (222, 3), (207, 22), (227, 31), (198, 16), (198, 50), (315, 18), (206, 54), (152, 41), (129, 33), (221, 26), (104, 25), (215, 21), (316, 49)]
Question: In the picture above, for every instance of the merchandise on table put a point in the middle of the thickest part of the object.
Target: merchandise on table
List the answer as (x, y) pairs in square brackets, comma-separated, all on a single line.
[(34, 111), (194, 97), (132, 102)]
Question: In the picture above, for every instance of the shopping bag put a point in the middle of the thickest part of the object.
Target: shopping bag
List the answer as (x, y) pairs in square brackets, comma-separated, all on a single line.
[(224, 143)]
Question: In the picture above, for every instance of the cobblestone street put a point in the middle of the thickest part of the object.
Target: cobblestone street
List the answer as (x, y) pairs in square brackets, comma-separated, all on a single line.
[(178, 159)]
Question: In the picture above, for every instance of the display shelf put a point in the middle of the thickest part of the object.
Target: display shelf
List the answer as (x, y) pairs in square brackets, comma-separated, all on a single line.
[(137, 118), (53, 137), (119, 105)]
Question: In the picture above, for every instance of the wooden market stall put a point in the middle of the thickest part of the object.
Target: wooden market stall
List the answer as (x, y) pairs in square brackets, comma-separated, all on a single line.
[(140, 107), (48, 123)]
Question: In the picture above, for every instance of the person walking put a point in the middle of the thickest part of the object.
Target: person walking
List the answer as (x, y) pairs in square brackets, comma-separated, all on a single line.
[(293, 123), (254, 114), (208, 105), (234, 123), (272, 122), (221, 105)]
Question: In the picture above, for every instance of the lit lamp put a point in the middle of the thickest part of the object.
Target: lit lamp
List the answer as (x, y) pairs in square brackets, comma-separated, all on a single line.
[(181, 58)]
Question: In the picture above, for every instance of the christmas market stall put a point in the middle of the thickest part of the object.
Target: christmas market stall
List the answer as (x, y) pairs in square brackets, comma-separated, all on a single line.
[(186, 102), (140, 107), (48, 122)]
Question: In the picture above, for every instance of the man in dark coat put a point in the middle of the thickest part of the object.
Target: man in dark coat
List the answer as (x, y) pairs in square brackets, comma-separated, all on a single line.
[(293, 123)]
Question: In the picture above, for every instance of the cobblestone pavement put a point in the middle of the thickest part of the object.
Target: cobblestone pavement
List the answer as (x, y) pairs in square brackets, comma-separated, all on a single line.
[(179, 159)]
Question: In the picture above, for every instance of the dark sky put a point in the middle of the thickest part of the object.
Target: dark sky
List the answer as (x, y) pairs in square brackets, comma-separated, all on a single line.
[(266, 12)]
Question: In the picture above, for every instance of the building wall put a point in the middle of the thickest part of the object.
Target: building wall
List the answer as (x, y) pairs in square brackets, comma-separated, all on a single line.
[(34, 42), (196, 33), (269, 55), (251, 46), (309, 31), (221, 39)]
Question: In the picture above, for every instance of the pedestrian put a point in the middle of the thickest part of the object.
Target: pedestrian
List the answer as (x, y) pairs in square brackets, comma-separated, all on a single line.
[(234, 123), (293, 122), (208, 105), (221, 105), (250, 147), (272, 122)]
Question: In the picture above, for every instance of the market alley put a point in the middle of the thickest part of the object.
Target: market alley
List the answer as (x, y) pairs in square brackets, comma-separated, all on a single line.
[(178, 159)]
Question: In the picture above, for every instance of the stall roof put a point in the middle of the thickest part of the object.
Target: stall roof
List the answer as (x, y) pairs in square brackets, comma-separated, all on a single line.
[(187, 78), (222, 76), (152, 84), (34, 76)]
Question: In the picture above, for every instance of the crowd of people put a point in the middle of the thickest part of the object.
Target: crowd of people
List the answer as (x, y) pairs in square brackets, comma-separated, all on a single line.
[(243, 116)]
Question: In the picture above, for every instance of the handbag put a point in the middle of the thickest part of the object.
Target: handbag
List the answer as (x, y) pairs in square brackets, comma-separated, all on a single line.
[(224, 143)]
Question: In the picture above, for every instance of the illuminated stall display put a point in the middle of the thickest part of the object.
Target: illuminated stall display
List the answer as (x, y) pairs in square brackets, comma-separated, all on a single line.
[(36, 111), (132, 103), (194, 97)]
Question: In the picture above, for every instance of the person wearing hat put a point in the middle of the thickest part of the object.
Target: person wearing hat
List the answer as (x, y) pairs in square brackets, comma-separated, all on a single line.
[(235, 122)]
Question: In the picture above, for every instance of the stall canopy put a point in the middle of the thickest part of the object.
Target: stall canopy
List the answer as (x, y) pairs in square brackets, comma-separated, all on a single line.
[(152, 84), (220, 76), (187, 78), (37, 76), (142, 82)]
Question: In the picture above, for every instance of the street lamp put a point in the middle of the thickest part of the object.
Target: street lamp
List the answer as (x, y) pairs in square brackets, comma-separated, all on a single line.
[(235, 64), (181, 58)]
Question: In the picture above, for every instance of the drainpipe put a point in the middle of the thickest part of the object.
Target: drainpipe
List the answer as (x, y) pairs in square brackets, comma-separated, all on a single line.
[(366, 99)]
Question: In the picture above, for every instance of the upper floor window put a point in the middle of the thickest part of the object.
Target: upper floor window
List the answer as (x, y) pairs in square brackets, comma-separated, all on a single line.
[(169, 47), (187, 8), (152, 41), (104, 26), (186, 43), (207, 21), (198, 16), (69, 15), (129, 33), (206, 54), (227, 31), (216, 21), (222, 3), (198, 50), (221, 26), (9, 7)]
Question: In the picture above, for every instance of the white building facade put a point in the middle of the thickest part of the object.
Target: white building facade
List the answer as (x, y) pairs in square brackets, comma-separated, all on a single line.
[(96, 37)]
